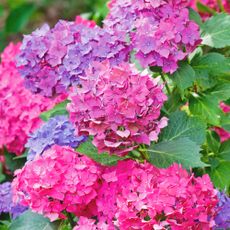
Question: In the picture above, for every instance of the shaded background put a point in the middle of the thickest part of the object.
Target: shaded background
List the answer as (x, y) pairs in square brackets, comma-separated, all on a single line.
[(18, 17)]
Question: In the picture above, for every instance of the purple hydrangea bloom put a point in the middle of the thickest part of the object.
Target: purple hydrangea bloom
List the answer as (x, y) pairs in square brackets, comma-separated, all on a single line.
[(6, 202), (58, 130), (223, 217), (160, 31), (51, 60), (5, 197)]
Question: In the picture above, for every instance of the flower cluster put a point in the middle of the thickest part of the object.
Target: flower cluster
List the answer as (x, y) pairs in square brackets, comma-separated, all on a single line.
[(58, 130), (160, 31), (212, 4), (6, 203), (19, 108), (127, 195), (118, 106), (224, 135), (85, 223), (223, 209), (51, 60), (144, 197), (59, 180)]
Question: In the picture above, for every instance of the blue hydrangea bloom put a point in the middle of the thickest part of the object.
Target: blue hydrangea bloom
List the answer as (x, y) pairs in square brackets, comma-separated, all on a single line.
[(6, 203), (223, 217), (58, 130)]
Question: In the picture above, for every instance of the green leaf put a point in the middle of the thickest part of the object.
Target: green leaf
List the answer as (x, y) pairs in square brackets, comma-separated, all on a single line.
[(220, 175), (213, 141), (1, 10), (214, 64), (32, 221), (207, 107), (220, 91), (174, 101), (181, 125), (216, 32), (225, 121), (4, 227), (194, 16), (59, 109), (184, 77), (88, 149), (2, 176), (11, 163), (210, 68), (224, 151), (19, 17), (182, 151)]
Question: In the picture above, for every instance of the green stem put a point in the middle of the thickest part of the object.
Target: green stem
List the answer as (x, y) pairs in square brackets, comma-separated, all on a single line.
[(166, 83), (143, 152), (70, 218), (219, 2)]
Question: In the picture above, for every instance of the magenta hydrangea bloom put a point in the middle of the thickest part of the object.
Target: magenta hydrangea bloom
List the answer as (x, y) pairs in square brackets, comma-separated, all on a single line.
[(223, 209), (6, 202), (140, 196), (19, 108), (118, 106), (59, 180), (85, 223), (160, 31), (88, 23), (52, 59)]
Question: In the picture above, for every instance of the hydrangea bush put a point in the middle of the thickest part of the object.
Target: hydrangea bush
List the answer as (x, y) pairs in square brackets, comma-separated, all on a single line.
[(119, 126)]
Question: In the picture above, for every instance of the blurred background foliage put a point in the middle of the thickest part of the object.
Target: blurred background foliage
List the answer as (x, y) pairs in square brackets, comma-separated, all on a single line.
[(18, 17)]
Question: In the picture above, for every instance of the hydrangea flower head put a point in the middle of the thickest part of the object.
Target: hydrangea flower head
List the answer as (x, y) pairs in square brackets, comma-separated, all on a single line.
[(52, 59), (6, 202), (140, 196), (59, 180), (160, 31), (58, 130), (118, 106), (19, 108), (223, 209)]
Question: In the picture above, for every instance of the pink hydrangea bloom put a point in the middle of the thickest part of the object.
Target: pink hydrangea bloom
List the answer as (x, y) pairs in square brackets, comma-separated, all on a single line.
[(59, 180), (213, 4), (19, 108), (140, 196), (89, 224), (224, 135), (118, 106), (225, 108), (88, 23), (160, 31)]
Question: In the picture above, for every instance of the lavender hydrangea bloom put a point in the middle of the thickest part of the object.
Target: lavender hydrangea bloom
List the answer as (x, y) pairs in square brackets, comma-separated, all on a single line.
[(58, 130), (160, 31), (223, 217), (6, 203), (5, 197), (52, 59)]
